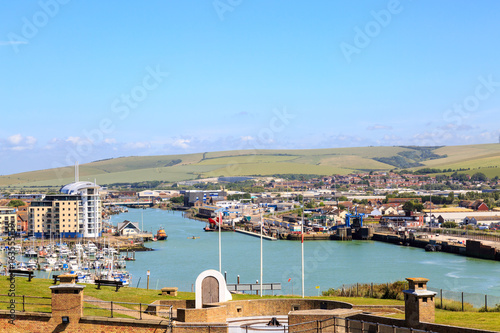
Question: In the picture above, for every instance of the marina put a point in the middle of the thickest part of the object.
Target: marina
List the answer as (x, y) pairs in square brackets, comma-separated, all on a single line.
[(328, 264)]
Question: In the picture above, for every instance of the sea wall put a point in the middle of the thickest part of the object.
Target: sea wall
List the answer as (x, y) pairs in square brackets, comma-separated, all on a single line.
[(472, 248)]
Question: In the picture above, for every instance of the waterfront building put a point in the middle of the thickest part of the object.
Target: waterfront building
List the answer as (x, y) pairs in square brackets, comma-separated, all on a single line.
[(194, 198), (7, 216), (27, 196), (74, 213)]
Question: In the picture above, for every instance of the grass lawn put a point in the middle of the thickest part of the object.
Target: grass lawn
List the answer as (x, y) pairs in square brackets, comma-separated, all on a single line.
[(479, 320)]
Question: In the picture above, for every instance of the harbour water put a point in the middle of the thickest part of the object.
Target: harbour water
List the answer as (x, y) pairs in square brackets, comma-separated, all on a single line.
[(177, 261)]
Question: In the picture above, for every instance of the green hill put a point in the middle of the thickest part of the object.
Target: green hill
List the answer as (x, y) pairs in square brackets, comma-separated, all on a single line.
[(172, 168)]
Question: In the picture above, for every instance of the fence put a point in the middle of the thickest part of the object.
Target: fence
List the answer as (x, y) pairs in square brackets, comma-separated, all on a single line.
[(469, 234), (371, 290), (125, 309), (331, 325), (25, 303), (345, 325), (466, 300)]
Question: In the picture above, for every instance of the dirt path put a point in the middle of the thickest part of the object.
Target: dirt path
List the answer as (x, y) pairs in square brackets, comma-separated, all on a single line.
[(117, 308)]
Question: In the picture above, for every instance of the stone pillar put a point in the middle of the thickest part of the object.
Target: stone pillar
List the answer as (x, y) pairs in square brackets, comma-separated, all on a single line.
[(419, 302), (67, 300)]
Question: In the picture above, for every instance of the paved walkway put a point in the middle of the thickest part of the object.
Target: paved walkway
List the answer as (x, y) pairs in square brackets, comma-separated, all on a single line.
[(455, 239), (117, 308)]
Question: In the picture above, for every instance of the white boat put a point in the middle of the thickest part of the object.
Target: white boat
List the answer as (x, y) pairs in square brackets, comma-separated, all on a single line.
[(64, 252), (30, 253), (84, 277), (32, 265), (91, 248)]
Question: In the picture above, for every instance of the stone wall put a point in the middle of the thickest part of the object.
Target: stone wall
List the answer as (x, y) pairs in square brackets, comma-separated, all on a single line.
[(479, 250), (40, 323), (275, 307), (208, 314), (316, 320), (423, 326), (164, 305)]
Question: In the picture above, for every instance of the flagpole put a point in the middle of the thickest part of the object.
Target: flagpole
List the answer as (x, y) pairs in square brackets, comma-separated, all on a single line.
[(261, 261), (220, 252), (302, 248)]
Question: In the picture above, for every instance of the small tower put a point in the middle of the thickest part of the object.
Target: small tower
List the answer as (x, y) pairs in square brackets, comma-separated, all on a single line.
[(419, 302), (67, 301)]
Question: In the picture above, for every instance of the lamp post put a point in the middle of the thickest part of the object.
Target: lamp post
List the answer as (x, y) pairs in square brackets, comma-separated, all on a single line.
[(302, 247), (261, 253)]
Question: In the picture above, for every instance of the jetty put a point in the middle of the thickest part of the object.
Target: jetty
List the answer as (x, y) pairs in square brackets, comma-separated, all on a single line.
[(255, 234)]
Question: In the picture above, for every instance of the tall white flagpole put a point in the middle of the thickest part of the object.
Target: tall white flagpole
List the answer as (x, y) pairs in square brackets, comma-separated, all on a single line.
[(302, 247), (261, 260), (220, 252)]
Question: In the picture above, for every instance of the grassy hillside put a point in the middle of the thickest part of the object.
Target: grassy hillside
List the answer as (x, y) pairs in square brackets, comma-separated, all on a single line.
[(171, 168)]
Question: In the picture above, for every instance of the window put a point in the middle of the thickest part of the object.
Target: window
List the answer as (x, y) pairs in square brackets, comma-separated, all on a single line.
[(420, 285), (424, 299)]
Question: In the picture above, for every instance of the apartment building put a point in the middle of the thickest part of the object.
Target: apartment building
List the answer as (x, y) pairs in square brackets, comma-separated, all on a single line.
[(74, 213), (8, 217)]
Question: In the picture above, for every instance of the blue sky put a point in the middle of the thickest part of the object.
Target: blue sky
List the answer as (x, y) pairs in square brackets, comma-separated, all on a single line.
[(91, 80)]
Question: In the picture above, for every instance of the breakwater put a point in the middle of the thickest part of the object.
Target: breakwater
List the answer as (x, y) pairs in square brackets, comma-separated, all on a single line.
[(472, 248), (255, 234)]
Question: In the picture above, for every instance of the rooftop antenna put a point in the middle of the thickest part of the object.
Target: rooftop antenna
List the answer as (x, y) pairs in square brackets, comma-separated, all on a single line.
[(76, 172)]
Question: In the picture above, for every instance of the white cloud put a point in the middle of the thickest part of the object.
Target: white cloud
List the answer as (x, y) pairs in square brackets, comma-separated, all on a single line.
[(181, 143), (137, 145), (15, 139), (18, 142), (247, 138), (74, 140), (378, 127), (30, 140), (109, 140)]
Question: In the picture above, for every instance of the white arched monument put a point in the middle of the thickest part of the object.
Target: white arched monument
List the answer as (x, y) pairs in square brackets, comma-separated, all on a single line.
[(211, 288)]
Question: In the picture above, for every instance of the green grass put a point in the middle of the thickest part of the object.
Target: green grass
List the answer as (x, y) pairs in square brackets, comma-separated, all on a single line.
[(451, 305), (246, 159), (479, 320), (254, 162), (259, 169), (37, 287), (89, 309)]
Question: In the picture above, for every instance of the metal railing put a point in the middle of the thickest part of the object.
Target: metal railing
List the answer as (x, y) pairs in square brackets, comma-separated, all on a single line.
[(466, 300), (469, 234), (331, 325), (24, 304), (347, 325), (115, 308)]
